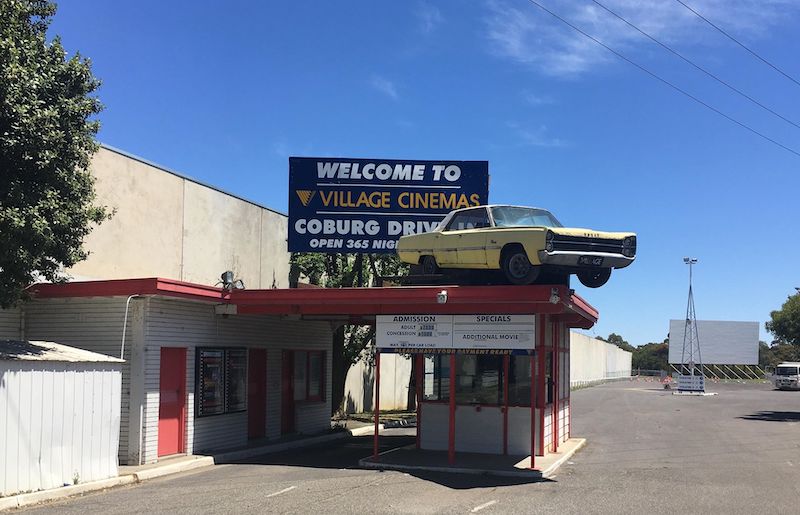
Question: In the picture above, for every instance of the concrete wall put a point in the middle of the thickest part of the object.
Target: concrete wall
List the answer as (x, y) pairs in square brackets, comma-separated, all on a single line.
[(166, 225), (60, 423), (593, 360), (359, 386)]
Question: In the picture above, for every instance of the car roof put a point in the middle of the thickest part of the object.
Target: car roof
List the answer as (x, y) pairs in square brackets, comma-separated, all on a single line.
[(498, 205)]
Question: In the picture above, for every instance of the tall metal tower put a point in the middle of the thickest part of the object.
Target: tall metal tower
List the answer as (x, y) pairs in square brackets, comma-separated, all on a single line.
[(691, 344)]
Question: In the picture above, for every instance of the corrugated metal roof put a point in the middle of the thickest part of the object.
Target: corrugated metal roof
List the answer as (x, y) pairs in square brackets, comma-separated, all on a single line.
[(24, 350)]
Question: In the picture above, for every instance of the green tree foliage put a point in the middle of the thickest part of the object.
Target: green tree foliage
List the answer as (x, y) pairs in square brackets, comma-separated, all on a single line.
[(777, 353), (652, 356), (46, 141), (617, 340), (785, 323), (342, 271)]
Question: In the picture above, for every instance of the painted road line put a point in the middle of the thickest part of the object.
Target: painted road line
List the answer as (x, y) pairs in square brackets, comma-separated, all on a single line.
[(282, 491), (478, 508)]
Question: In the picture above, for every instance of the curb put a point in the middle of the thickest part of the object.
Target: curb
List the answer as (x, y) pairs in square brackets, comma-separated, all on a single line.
[(579, 444), (366, 430), (18, 501), (173, 468)]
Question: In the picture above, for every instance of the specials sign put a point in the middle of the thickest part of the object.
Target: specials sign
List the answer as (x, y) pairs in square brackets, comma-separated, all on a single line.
[(415, 333), (365, 205)]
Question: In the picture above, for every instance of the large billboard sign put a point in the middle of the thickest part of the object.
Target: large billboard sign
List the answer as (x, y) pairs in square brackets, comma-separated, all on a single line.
[(432, 333), (365, 205), (721, 342)]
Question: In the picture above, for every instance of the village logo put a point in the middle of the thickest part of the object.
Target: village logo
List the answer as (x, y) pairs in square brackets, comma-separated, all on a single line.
[(305, 196)]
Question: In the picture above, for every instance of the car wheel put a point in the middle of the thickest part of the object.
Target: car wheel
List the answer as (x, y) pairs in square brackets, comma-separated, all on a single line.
[(594, 278), (518, 268), (429, 266)]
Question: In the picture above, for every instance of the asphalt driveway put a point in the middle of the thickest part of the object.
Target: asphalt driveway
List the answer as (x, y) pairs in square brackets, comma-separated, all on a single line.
[(648, 452)]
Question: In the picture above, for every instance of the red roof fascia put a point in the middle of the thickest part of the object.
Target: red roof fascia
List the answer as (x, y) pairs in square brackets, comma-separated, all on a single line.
[(125, 287)]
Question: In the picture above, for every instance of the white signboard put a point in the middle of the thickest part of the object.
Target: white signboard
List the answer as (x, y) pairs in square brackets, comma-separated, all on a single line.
[(494, 331), (690, 383), (721, 342), (504, 332), (414, 331)]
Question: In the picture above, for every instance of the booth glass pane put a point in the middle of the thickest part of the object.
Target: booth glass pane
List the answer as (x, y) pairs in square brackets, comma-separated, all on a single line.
[(479, 379), (519, 381), (436, 385)]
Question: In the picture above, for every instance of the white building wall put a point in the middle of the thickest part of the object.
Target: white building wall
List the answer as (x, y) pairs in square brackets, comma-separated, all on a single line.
[(60, 424), (168, 225), (179, 323)]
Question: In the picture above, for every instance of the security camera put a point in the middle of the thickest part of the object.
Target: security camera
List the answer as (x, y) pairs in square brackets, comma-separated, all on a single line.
[(441, 297)]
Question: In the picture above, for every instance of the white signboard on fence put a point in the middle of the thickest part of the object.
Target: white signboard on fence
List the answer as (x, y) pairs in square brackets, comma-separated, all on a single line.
[(690, 383), (494, 331), (414, 331), (505, 332)]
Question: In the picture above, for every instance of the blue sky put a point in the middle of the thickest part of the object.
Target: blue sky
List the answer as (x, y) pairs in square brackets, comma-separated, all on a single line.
[(225, 92)]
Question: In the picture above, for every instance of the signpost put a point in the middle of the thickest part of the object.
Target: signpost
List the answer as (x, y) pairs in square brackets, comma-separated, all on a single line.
[(349, 205)]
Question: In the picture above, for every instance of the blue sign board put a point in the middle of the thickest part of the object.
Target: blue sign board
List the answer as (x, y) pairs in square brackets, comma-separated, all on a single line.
[(364, 205)]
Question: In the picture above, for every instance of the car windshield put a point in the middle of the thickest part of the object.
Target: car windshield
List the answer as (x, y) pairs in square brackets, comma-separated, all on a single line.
[(786, 371), (513, 216)]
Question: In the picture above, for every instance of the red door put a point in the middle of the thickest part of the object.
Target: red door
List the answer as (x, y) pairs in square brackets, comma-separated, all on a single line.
[(256, 393), (287, 392), (172, 403)]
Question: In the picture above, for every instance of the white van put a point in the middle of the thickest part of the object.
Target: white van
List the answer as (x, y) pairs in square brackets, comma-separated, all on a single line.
[(787, 375)]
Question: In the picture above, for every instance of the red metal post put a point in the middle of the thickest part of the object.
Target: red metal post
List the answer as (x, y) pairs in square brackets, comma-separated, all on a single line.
[(506, 359), (451, 437), (420, 377), (533, 403), (377, 403), (542, 383), (556, 339)]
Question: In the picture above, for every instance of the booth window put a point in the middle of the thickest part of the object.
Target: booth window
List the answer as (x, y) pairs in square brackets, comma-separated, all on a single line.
[(221, 377), (437, 378), (479, 379), (519, 381), (309, 375)]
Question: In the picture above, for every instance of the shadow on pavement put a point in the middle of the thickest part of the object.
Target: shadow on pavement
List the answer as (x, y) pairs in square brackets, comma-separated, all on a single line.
[(774, 416), (335, 455), (458, 481)]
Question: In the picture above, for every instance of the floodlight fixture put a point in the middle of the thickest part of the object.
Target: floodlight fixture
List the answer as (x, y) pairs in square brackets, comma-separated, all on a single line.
[(441, 297)]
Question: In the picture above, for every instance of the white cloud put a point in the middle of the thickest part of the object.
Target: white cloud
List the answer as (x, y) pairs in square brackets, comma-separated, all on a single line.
[(385, 86), (429, 17), (533, 99), (537, 137), (524, 33)]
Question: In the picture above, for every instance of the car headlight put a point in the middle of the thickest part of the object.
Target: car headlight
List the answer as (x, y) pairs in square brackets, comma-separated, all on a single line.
[(548, 246), (629, 246)]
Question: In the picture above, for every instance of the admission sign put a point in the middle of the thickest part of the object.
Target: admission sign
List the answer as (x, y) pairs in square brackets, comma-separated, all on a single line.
[(438, 333), (364, 205)]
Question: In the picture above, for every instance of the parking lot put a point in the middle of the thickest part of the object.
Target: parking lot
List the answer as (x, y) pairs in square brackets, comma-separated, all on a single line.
[(648, 452)]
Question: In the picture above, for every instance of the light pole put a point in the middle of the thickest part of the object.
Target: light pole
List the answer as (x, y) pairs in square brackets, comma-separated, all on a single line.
[(690, 335)]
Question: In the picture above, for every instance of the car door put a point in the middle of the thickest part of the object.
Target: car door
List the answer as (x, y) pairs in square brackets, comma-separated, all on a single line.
[(472, 241), (462, 231)]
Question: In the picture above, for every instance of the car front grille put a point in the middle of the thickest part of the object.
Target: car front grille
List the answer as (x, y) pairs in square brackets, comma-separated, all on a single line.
[(583, 244)]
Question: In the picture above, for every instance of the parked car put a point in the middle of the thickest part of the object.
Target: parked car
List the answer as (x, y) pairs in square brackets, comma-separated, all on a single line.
[(523, 242), (787, 376)]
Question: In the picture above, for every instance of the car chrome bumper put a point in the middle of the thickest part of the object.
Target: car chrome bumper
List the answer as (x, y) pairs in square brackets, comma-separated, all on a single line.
[(570, 258)]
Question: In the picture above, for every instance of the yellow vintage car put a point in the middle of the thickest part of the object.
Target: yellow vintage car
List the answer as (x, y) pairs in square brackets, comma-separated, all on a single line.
[(523, 242)]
